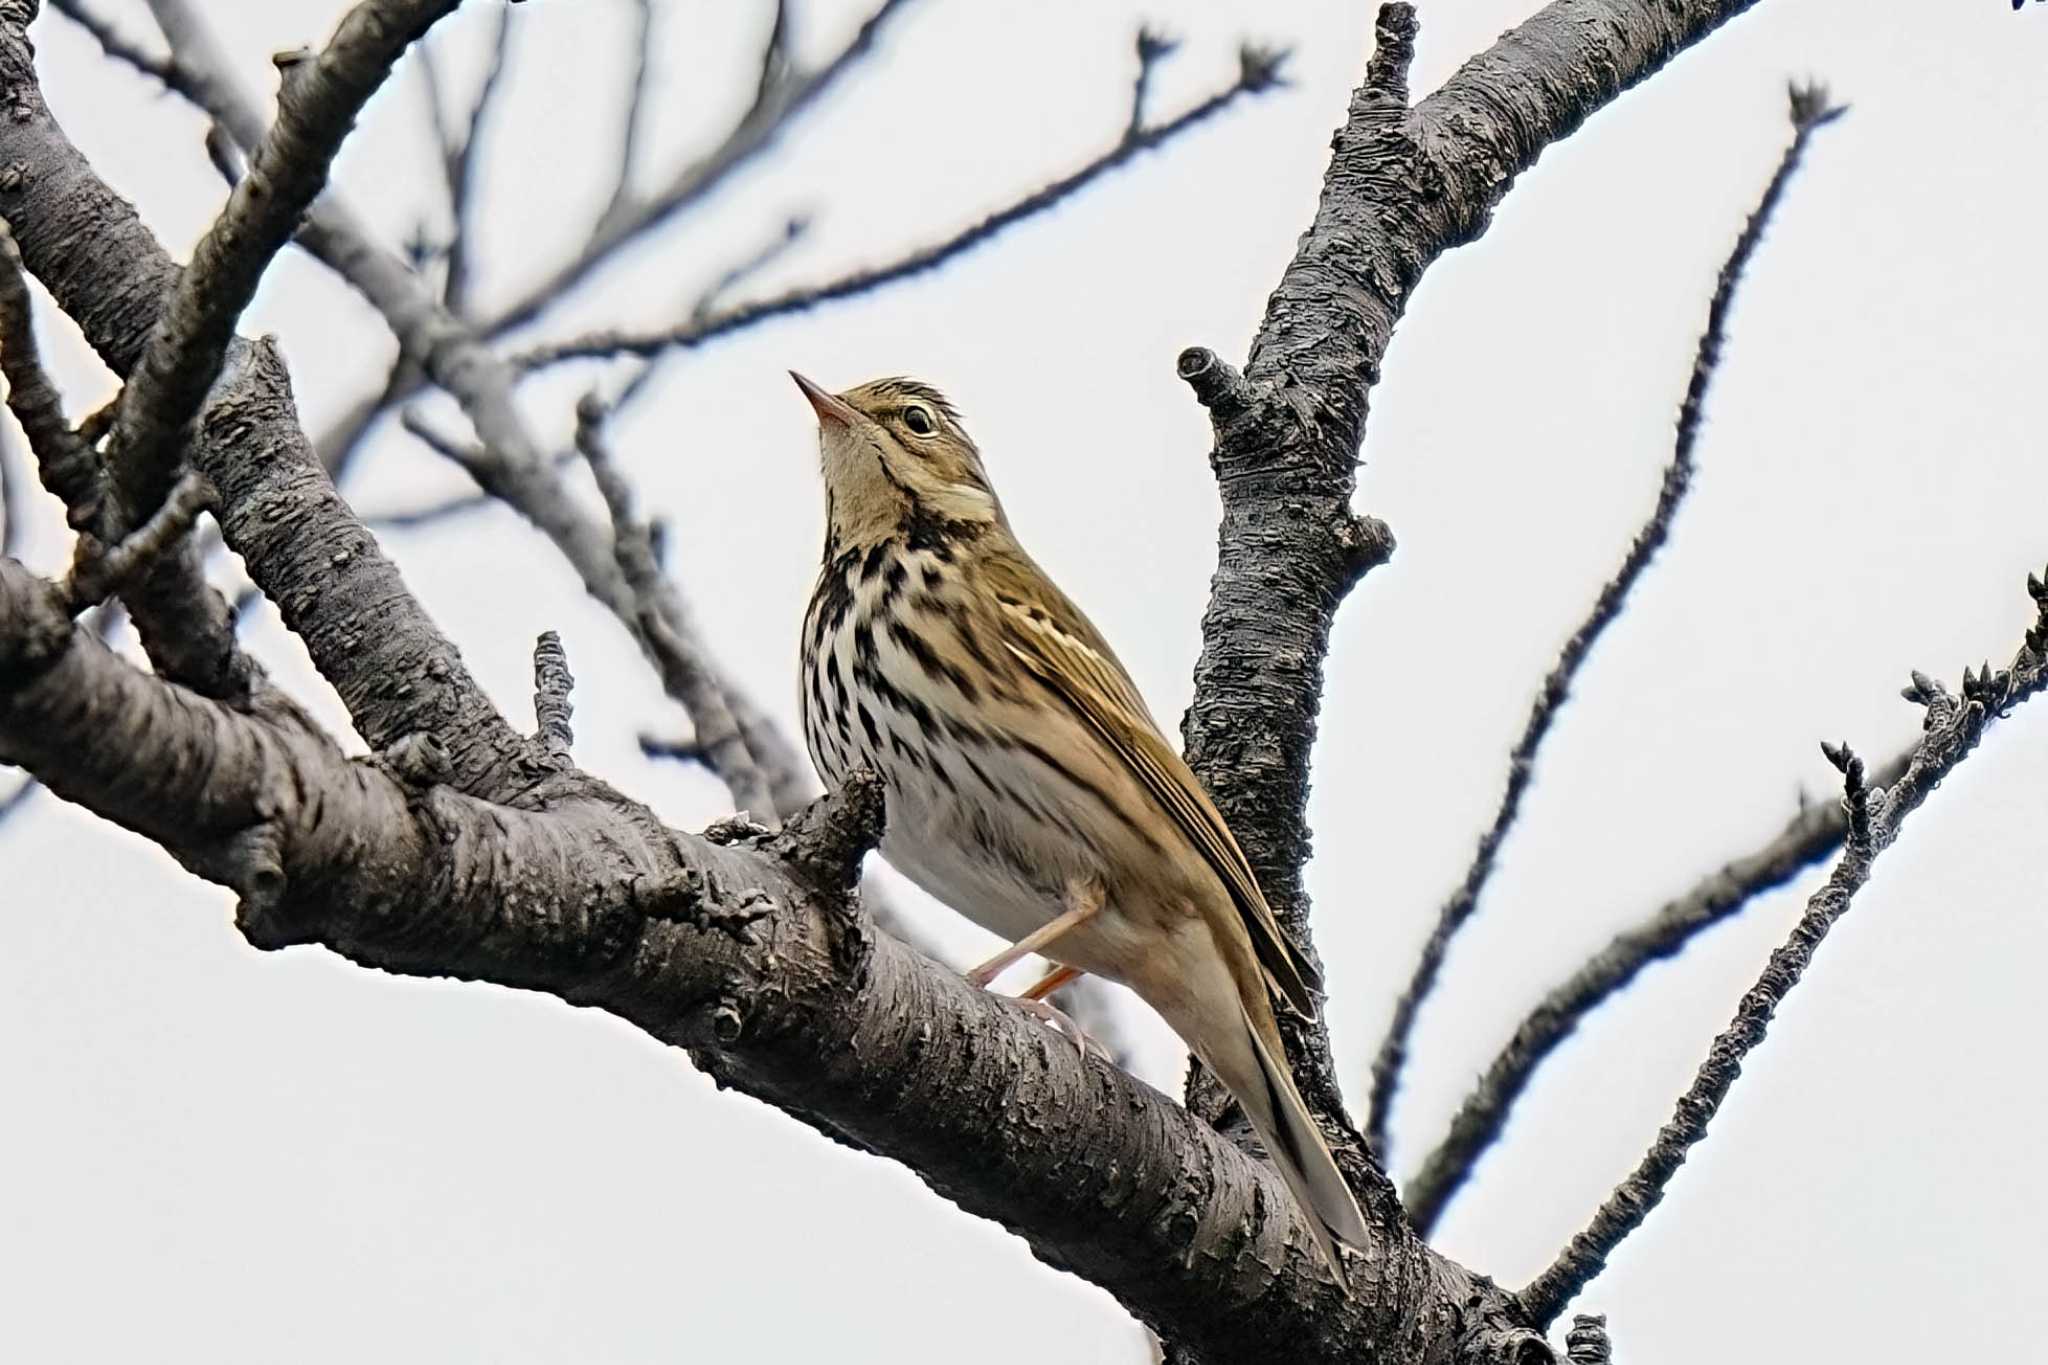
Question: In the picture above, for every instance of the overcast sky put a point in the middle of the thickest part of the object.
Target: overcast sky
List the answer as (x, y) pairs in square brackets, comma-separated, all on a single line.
[(212, 1154)]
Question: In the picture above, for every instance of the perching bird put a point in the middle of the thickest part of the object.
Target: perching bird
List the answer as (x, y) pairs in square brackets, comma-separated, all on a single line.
[(1027, 785)]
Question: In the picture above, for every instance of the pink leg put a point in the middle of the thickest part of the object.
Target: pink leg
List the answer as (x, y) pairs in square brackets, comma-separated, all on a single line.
[(1084, 901)]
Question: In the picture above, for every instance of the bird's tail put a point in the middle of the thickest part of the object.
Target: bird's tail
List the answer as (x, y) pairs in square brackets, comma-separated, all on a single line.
[(1243, 1048)]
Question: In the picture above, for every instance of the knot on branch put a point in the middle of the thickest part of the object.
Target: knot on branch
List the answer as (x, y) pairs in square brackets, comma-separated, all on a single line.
[(1259, 67), (1587, 1343), (1856, 796), (1501, 1345), (1366, 541), (35, 628), (1393, 52), (738, 828), (552, 708), (1217, 383), (253, 864), (827, 840), (694, 897), (1810, 107), (417, 760)]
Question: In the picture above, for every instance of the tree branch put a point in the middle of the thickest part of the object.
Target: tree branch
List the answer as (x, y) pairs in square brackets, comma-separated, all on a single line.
[(677, 651), (68, 466), (1953, 727), (1812, 835), (1258, 72), (1810, 110), (287, 169), (1404, 185), (750, 956), (329, 579), (781, 97), (462, 171)]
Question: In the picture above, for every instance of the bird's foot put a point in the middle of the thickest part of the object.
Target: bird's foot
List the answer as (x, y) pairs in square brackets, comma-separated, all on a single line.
[(1047, 1012)]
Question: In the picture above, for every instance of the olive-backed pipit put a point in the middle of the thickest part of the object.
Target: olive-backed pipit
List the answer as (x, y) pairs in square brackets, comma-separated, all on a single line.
[(1027, 784)]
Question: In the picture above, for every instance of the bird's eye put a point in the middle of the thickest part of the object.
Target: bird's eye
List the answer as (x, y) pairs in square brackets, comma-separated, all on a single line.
[(919, 421)]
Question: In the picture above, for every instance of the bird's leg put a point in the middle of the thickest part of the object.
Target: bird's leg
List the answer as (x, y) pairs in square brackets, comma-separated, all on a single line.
[(1083, 900), (1050, 982), (1034, 1003)]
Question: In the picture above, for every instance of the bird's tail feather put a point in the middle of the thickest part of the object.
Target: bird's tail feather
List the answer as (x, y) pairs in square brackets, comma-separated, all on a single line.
[(1250, 1060)]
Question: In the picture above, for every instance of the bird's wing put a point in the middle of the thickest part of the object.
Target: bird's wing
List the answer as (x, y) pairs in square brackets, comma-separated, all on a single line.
[(1055, 643)]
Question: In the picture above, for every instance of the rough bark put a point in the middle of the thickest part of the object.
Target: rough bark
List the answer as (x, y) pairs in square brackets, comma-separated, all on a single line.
[(467, 849)]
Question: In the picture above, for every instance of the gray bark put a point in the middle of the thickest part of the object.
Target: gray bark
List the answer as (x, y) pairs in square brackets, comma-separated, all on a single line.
[(466, 849)]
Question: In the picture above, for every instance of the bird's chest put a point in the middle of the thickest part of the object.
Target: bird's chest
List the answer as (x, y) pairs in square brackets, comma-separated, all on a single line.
[(892, 683)]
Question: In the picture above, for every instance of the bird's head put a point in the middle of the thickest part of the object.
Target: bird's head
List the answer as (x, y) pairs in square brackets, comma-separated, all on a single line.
[(896, 460)]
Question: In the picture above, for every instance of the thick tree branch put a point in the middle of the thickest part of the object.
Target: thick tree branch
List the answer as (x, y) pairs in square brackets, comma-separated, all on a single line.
[(394, 671), (1953, 727), (287, 169), (751, 956), (1810, 110), (1404, 186), (510, 464)]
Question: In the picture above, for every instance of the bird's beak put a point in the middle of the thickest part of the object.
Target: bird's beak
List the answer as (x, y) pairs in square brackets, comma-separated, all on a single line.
[(829, 407)]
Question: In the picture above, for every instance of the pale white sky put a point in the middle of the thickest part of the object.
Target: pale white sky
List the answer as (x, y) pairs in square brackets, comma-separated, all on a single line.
[(212, 1154)]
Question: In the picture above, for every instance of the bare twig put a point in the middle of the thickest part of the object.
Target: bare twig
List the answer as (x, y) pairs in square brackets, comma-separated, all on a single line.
[(1814, 834), (552, 684), (1259, 71), (316, 109), (678, 653), (471, 457), (1809, 111), (732, 276), (776, 106), (1954, 724), (680, 750), (462, 171), (1154, 47), (101, 572), (102, 31), (65, 462), (632, 121)]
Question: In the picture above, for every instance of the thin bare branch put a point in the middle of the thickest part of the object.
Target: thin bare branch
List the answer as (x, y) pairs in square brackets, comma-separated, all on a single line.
[(1954, 724), (1809, 111), (102, 571), (112, 42), (66, 463), (317, 107), (1811, 836), (1154, 47), (776, 107), (728, 279), (633, 118), (463, 171), (1254, 76), (677, 650)]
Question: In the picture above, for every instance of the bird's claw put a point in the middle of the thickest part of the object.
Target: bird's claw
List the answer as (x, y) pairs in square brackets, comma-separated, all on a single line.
[(1047, 1012)]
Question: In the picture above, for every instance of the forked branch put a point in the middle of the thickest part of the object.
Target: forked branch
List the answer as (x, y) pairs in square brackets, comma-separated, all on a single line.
[(1810, 110), (1953, 725)]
